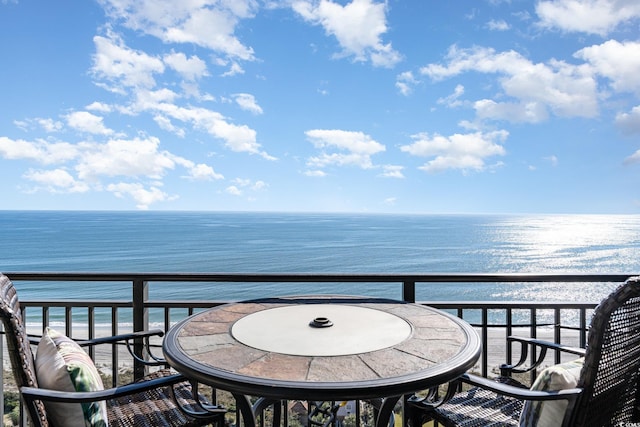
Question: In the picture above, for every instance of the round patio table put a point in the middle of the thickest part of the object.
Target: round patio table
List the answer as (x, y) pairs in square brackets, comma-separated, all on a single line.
[(322, 348)]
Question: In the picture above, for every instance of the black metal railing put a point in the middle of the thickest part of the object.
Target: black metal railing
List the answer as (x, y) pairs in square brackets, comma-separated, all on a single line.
[(138, 311)]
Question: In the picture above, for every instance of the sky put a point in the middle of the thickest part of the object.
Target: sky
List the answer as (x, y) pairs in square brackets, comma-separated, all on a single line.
[(364, 106)]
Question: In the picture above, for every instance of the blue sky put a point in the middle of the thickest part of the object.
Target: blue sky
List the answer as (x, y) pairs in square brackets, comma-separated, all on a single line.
[(403, 106)]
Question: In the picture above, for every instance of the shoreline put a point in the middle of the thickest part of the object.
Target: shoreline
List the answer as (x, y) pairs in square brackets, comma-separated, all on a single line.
[(496, 348)]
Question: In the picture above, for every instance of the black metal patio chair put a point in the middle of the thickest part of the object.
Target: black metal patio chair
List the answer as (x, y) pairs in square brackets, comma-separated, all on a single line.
[(605, 391), (162, 398)]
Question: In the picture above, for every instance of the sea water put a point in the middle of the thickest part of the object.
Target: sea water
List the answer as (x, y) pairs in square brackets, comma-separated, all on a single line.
[(215, 242)]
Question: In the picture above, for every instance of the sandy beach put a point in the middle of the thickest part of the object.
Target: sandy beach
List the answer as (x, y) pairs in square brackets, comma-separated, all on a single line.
[(496, 350)]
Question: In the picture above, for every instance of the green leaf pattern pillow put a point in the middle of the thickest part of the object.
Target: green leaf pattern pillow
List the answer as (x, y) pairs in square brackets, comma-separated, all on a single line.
[(63, 365)]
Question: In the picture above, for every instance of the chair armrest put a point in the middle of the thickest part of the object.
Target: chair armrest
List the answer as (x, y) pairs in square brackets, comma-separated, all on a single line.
[(121, 337), (507, 387), (548, 344), (35, 339), (35, 393), (126, 338), (518, 392), (528, 344), (201, 410)]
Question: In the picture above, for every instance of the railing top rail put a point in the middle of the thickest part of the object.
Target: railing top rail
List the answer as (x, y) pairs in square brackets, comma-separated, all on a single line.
[(320, 277), (208, 303)]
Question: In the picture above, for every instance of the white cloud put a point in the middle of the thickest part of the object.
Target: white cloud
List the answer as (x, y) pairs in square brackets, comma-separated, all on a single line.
[(123, 67), (356, 142), (192, 90), (617, 61), (453, 100), (356, 148), (50, 125), (142, 196), (84, 121), (239, 138), (259, 185), (146, 100), (405, 82), (207, 23), (96, 162), (528, 112), (166, 124), (340, 159), (392, 171), (198, 172), (243, 183), (633, 159), (315, 173), (22, 124), (498, 25), (358, 26), (47, 124), (248, 102), (203, 172), (41, 151), (190, 69), (100, 107), (459, 151), (587, 16), (567, 90), (553, 160), (629, 123), (57, 181), (234, 69), (121, 157), (233, 190)]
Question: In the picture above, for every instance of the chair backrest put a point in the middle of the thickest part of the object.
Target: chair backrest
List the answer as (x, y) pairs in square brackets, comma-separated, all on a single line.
[(611, 369), (18, 346)]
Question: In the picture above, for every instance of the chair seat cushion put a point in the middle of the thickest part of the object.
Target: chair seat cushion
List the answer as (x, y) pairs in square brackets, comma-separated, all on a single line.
[(478, 407), (156, 407), (557, 377), (63, 365)]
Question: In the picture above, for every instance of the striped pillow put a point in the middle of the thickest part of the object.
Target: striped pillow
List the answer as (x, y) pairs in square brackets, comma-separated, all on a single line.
[(553, 378), (62, 365)]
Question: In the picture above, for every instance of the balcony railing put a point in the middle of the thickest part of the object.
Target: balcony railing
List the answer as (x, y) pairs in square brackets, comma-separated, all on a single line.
[(564, 322)]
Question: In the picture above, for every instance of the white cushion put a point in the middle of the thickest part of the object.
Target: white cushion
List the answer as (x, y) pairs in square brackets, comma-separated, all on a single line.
[(553, 378), (63, 365)]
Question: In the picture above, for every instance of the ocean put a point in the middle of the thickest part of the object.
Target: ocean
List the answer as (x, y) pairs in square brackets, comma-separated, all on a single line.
[(91, 241)]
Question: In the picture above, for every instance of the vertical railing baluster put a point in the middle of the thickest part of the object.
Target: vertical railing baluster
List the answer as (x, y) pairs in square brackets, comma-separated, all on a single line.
[(556, 332), (583, 327), (485, 342), (509, 332), (533, 332), (68, 321), (140, 323), (167, 319), (91, 324), (409, 291), (114, 347)]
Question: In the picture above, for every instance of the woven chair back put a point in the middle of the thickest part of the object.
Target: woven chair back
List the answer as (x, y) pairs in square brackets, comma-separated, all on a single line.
[(612, 361), (18, 346)]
